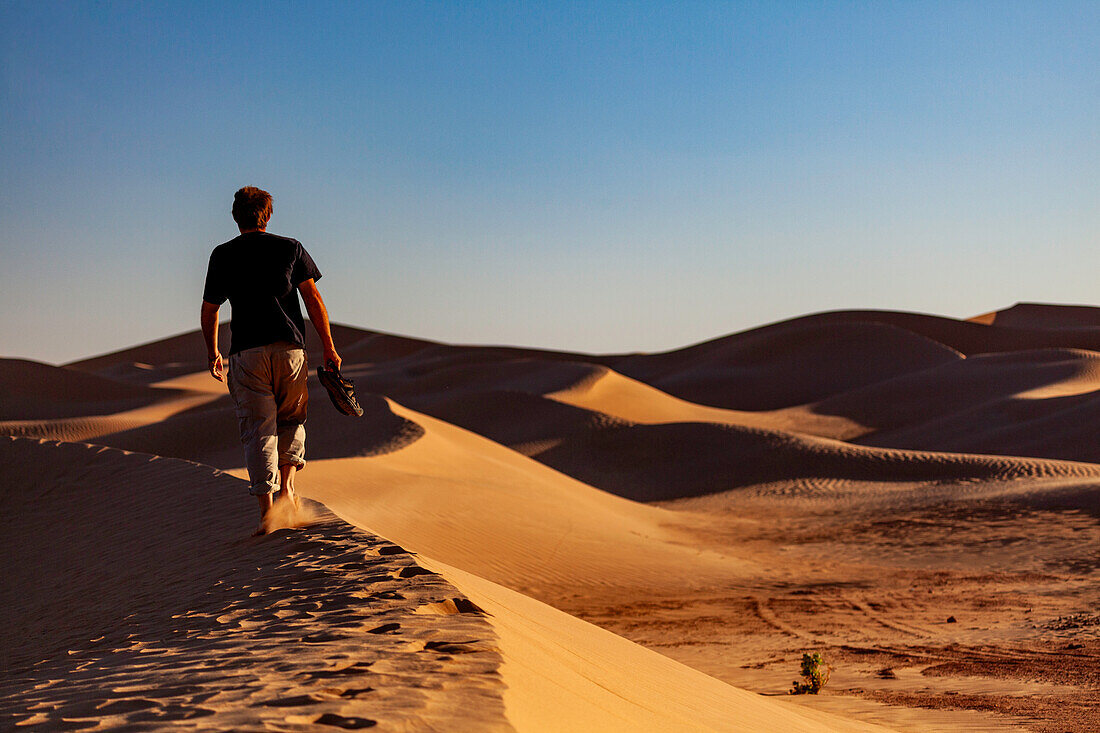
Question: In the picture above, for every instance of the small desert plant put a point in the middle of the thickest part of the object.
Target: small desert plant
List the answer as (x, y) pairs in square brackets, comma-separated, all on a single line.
[(815, 675)]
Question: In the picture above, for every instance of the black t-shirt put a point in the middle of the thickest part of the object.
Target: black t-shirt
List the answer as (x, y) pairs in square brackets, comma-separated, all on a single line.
[(259, 273)]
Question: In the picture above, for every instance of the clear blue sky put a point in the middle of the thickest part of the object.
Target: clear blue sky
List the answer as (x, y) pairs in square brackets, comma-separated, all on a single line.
[(599, 177)]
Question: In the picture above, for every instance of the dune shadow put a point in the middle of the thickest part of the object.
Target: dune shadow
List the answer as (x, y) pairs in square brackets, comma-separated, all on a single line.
[(168, 612)]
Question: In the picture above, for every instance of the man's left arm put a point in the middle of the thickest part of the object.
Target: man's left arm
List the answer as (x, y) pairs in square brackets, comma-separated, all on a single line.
[(209, 321), (318, 316)]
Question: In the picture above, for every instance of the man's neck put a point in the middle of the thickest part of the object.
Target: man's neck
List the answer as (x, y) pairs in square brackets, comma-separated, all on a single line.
[(249, 231)]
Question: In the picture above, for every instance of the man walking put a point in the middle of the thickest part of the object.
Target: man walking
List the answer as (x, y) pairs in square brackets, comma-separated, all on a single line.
[(261, 275)]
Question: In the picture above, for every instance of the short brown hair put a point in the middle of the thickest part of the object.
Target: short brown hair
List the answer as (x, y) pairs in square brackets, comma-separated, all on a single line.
[(252, 208)]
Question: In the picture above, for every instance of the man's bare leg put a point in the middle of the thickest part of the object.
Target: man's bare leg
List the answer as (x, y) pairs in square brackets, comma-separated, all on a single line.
[(265, 500), (286, 482)]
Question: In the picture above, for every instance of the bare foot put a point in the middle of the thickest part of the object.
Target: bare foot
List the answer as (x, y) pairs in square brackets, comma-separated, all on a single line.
[(265, 501), (289, 495), (286, 477)]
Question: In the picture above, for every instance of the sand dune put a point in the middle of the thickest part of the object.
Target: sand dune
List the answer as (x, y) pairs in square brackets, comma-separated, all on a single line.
[(197, 626), (1057, 427), (830, 482), (1052, 427), (969, 337), (629, 438), (660, 460), (630, 401), (786, 364), (185, 353), (610, 393), (564, 674), (209, 432), (810, 358), (458, 497), (134, 597), (470, 372), (1043, 316), (39, 391), (369, 346), (956, 388), (850, 348), (676, 460), (557, 397), (85, 415), (1039, 403)]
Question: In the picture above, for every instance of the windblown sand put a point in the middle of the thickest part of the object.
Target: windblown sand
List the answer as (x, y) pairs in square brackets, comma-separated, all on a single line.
[(533, 540)]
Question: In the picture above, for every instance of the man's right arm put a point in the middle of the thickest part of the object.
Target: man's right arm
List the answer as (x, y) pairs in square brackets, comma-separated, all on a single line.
[(209, 321), (318, 316)]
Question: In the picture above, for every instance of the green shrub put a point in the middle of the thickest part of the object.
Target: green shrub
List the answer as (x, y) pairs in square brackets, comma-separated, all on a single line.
[(815, 675)]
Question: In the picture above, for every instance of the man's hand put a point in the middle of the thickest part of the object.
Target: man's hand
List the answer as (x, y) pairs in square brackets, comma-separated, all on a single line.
[(331, 357), (216, 369)]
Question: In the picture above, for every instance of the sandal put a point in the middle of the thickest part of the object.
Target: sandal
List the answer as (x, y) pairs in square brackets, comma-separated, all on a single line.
[(340, 390)]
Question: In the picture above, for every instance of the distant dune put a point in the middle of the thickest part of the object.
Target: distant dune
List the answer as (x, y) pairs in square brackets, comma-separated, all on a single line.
[(1043, 316), (35, 391)]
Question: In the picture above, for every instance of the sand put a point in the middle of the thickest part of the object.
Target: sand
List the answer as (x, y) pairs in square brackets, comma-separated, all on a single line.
[(534, 540)]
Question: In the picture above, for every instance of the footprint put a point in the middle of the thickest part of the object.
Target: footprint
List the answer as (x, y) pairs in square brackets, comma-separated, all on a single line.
[(73, 724), (347, 625), (384, 629), (170, 713), (203, 697), (412, 571), (391, 550), (339, 721), (159, 693), (291, 702), (336, 559), (126, 706), (453, 647), (357, 668), (322, 636), (451, 606), (356, 565)]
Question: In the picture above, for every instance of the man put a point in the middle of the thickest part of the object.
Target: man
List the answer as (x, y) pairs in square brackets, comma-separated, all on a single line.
[(261, 275)]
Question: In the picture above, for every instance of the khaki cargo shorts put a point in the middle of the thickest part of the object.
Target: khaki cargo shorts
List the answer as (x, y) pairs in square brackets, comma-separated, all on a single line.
[(268, 386)]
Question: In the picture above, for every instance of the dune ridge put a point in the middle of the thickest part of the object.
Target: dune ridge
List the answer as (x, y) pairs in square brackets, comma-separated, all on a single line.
[(544, 528), (1042, 316)]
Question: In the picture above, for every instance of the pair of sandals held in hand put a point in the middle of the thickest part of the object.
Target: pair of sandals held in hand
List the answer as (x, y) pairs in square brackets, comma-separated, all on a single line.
[(340, 390)]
